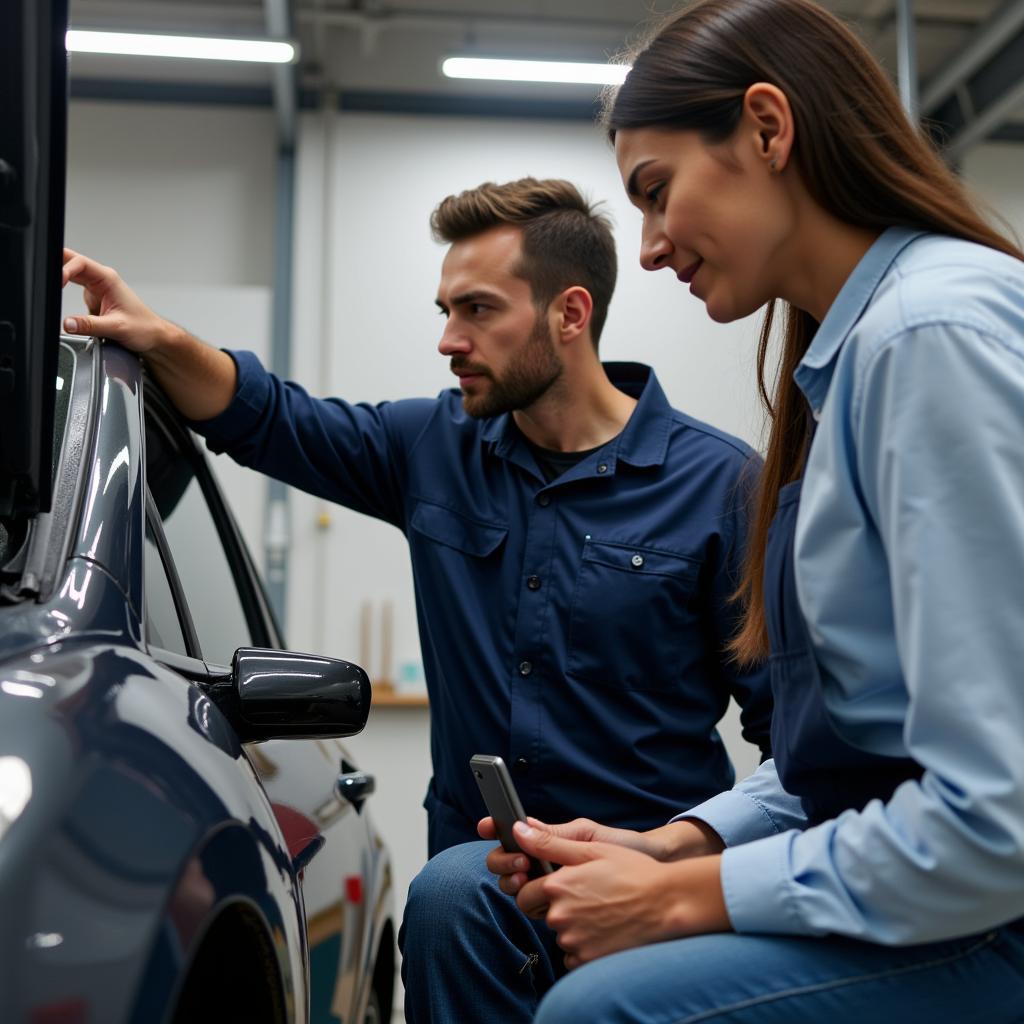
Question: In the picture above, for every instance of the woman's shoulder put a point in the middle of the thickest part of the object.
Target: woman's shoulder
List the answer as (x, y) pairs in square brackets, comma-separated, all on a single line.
[(941, 281)]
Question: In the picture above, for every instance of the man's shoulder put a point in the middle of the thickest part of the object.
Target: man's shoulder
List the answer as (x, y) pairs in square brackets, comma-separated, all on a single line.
[(688, 432), (440, 420)]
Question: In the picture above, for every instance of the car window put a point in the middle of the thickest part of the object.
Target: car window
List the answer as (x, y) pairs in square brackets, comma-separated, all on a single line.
[(163, 627), (200, 560)]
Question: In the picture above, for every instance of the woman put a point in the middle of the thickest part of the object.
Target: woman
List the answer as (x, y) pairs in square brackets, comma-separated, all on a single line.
[(874, 870)]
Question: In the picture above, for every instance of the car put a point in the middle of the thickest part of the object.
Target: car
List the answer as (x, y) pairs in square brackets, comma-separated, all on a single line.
[(183, 838), (155, 859)]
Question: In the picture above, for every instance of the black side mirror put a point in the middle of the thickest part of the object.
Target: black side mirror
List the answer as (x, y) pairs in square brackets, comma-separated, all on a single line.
[(282, 695)]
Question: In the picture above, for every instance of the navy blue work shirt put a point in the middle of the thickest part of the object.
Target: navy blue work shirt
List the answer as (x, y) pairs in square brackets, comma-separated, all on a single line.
[(576, 628)]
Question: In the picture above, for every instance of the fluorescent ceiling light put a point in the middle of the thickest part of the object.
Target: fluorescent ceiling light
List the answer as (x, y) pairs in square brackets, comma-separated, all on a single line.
[(534, 70), (262, 51)]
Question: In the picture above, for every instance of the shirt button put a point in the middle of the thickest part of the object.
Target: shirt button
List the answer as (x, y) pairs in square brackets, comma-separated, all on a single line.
[(544, 500), (637, 561), (525, 668), (521, 765), (533, 582), (602, 467)]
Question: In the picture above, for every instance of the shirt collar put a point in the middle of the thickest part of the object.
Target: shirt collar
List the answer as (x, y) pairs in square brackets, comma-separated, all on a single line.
[(644, 439), (814, 374)]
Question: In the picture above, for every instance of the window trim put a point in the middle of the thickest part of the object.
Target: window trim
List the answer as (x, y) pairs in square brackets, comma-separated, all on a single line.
[(188, 629)]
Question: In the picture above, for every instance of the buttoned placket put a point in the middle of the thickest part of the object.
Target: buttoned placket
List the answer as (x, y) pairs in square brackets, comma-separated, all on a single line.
[(532, 664)]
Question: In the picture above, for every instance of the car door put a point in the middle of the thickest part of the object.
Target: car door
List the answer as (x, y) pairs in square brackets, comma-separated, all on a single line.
[(205, 600)]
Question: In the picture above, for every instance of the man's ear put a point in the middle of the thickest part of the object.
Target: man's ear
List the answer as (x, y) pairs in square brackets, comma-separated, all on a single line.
[(769, 119), (574, 307)]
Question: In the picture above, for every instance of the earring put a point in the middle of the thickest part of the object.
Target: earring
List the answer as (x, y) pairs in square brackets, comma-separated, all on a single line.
[(774, 165)]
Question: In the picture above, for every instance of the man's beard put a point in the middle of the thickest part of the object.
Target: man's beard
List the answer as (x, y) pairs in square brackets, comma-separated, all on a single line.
[(527, 378)]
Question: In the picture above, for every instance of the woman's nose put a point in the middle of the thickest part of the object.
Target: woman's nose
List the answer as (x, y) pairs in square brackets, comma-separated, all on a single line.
[(655, 250)]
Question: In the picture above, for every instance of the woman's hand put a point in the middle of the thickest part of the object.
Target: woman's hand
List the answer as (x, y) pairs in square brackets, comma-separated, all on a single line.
[(674, 841), (511, 868), (609, 897)]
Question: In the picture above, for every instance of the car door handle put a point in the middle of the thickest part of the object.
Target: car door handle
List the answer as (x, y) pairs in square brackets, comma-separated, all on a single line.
[(354, 786)]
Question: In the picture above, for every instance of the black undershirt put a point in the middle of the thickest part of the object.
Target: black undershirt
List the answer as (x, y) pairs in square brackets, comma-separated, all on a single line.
[(553, 464)]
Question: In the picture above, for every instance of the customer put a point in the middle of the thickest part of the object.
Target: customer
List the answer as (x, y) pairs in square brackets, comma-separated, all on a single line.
[(574, 540), (874, 870)]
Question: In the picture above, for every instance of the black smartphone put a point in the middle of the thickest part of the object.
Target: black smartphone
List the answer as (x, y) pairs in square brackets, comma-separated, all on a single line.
[(503, 805)]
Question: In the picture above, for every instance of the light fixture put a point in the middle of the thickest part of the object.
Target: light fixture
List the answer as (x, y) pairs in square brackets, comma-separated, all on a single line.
[(262, 51), (534, 70)]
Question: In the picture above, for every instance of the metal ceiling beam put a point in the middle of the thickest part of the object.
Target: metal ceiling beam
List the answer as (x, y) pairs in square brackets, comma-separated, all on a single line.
[(280, 25), (981, 88), (906, 57), (986, 42), (277, 517)]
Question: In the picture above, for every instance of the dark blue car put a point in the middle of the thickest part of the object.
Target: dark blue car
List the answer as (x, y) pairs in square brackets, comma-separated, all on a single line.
[(182, 837), (153, 860)]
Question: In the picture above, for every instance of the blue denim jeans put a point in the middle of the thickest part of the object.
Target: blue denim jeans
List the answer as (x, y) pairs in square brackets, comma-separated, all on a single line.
[(470, 957)]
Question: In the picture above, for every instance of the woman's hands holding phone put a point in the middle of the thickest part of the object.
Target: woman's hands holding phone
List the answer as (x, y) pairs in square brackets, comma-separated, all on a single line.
[(617, 888)]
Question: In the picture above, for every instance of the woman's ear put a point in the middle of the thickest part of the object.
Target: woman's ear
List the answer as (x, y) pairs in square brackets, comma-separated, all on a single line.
[(770, 118), (575, 308)]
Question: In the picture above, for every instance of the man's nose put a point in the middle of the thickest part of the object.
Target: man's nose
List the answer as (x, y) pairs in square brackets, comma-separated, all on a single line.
[(453, 341)]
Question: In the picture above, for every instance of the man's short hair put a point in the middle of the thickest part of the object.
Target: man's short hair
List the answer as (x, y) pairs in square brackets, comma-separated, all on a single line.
[(565, 241)]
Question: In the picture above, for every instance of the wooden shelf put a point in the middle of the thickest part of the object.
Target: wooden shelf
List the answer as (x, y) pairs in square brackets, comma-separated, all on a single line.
[(385, 696), (401, 702)]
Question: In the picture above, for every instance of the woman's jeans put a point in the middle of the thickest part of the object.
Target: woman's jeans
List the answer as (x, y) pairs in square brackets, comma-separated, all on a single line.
[(471, 957)]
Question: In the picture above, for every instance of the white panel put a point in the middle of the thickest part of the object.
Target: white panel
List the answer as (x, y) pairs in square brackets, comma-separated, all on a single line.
[(173, 193)]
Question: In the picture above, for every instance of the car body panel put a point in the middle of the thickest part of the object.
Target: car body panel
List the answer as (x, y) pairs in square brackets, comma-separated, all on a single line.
[(131, 816), (111, 531)]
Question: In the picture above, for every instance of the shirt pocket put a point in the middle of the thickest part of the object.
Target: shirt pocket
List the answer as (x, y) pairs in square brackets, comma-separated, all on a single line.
[(456, 531), (630, 614)]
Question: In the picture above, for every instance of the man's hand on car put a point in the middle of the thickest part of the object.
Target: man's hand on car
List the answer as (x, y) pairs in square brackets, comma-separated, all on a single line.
[(115, 311)]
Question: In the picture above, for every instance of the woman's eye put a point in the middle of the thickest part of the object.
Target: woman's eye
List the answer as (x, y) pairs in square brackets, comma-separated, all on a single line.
[(652, 193)]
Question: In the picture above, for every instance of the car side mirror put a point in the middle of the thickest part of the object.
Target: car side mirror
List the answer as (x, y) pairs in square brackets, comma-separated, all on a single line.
[(282, 695)]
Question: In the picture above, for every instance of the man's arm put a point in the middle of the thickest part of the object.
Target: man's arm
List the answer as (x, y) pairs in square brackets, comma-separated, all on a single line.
[(198, 379)]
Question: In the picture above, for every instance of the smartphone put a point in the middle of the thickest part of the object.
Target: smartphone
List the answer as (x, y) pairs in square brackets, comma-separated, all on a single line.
[(503, 805)]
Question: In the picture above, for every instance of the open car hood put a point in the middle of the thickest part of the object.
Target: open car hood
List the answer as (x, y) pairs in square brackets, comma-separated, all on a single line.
[(33, 134)]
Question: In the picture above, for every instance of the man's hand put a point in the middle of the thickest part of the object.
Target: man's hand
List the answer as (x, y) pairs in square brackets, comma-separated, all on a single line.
[(199, 379), (116, 312), (609, 897)]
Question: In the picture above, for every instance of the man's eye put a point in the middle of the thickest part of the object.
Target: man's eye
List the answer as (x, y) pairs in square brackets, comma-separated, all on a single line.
[(476, 308)]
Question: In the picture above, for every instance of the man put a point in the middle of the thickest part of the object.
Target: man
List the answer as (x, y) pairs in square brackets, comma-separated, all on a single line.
[(574, 540)]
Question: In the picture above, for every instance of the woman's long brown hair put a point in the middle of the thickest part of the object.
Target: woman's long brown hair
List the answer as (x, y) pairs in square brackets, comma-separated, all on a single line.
[(858, 155)]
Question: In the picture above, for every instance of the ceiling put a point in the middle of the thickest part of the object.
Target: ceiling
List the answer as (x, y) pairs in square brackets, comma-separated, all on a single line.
[(358, 47)]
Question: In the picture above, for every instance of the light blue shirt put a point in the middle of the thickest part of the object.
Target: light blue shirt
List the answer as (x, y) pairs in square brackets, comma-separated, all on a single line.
[(910, 573)]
